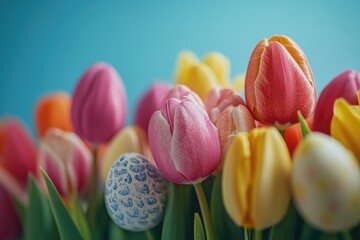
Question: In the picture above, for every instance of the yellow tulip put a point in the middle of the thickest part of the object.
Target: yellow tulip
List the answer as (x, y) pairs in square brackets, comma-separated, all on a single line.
[(256, 178), (130, 139), (202, 76), (345, 125)]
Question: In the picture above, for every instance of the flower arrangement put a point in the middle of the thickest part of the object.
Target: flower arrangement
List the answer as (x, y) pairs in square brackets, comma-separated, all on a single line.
[(199, 161)]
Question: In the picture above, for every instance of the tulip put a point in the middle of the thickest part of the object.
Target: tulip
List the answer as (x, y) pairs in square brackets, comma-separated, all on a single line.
[(345, 85), (220, 98), (279, 82), (130, 139), (67, 161), (53, 111), (220, 65), (256, 178), (183, 141), (17, 151), (326, 183), (293, 134), (99, 104), (149, 103), (181, 91), (345, 125), (9, 223)]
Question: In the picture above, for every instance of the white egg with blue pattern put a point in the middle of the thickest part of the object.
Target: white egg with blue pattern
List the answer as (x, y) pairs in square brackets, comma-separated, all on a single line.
[(135, 193)]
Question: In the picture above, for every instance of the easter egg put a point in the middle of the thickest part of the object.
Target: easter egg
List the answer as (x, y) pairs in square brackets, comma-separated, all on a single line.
[(326, 183), (135, 193)]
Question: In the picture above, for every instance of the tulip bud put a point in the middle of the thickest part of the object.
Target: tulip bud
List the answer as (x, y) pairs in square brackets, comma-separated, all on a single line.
[(180, 92), (345, 126), (99, 104), (9, 222), (326, 183), (135, 193), (220, 98), (17, 151), (53, 111), (183, 141), (279, 82), (345, 85), (256, 178), (130, 139), (66, 160), (220, 65), (149, 103)]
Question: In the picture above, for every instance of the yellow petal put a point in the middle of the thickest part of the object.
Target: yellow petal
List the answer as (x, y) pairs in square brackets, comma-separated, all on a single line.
[(186, 60), (345, 126), (220, 65), (238, 83), (200, 79), (358, 95)]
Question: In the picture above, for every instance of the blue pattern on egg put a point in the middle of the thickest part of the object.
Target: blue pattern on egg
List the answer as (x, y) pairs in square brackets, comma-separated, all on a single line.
[(135, 193)]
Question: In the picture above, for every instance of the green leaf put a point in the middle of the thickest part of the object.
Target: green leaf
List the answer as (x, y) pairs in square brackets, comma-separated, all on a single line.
[(199, 233), (19, 206), (286, 229), (78, 217), (38, 221), (65, 224), (178, 222), (309, 233), (355, 232), (224, 227), (304, 127), (102, 219), (117, 233)]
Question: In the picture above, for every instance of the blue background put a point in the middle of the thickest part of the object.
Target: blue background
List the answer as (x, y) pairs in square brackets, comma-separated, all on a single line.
[(46, 47)]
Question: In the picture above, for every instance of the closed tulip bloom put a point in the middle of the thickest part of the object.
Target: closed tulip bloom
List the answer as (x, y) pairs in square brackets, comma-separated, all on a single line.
[(180, 91), (99, 104), (293, 134), (17, 151), (220, 98), (130, 139), (149, 103), (279, 82), (66, 160), (53, 111), (220, 65), (345, 126), (184, 142), (9, 222), (345, 85), (256, 178)]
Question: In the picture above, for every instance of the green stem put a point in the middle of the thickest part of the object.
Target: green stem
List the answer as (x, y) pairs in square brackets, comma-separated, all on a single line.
[(149, 235), (93, 188), (258, 235), (246, 234), (346, 235), (209, 229)]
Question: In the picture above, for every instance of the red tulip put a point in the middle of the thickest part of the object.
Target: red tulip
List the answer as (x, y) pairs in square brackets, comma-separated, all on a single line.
[(279, 82), (345, 85)]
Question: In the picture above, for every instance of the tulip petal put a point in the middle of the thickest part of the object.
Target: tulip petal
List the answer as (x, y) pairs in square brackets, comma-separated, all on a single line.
[(192, 127), (159, 139), (220, 65)]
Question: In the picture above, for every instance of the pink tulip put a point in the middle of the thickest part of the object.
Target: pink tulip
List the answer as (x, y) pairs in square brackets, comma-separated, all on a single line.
[(220, 98), (66, 160), (184, 142), (17, 151), (9, 223), (149, 103), (180, 91), (99, 104), (279, 82), (345, 85)]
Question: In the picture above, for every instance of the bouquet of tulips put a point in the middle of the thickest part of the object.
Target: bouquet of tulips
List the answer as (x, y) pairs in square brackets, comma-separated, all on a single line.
[(198, 162)]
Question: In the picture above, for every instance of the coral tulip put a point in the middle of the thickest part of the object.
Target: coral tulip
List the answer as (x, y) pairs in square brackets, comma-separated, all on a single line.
[(279, 82), (130, 139), (9, 223), (220, 98), (183, 141), (293, 134), (149, 103), (345, 85), (99, 104), (256, 178), (345, 125), (67, 161), (326, 183), (53, 111)]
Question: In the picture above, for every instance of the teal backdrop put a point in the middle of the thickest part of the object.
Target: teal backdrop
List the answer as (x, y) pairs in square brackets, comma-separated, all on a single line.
[(45, 47)]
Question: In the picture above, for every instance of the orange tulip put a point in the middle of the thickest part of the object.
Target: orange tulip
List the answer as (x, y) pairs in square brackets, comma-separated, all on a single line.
[(279, 82), (53, 111), (293, 134)]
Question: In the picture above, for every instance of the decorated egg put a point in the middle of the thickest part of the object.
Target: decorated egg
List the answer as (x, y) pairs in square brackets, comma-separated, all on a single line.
[(135, 193), (326, 183)]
